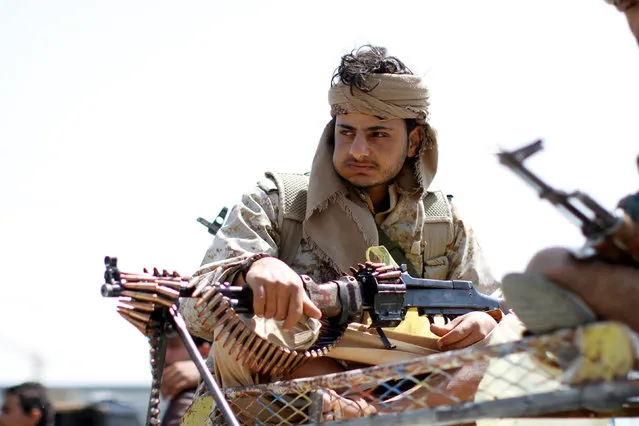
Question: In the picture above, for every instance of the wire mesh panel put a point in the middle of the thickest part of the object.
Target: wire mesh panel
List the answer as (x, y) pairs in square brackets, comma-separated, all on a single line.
[(587, 368)]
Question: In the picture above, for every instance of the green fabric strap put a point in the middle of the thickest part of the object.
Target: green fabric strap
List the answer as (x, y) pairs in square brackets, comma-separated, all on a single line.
[(397, 252)]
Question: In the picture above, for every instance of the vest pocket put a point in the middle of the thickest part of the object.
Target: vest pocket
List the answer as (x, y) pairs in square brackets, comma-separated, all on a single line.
[(436, 268)]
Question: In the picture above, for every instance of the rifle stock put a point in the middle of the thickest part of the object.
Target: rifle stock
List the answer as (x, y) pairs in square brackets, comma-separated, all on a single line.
[(612, 237)]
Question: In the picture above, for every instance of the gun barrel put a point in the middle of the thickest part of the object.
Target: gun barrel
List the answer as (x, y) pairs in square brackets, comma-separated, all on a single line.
[(434, 301), (111, 290)]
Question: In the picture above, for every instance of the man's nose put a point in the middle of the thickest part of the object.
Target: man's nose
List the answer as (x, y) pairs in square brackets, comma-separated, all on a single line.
[(359, 147)]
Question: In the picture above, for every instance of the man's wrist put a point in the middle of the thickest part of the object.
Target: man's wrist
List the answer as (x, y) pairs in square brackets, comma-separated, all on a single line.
[(249, 261)]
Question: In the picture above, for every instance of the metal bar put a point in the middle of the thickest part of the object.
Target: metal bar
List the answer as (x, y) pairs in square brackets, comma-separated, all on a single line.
[(529, 405), (211, 384)]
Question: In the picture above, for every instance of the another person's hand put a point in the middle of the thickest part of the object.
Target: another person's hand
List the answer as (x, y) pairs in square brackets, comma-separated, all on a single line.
[(278, 292), (336, 407), (178, 377), (611, 291), (464, 330)]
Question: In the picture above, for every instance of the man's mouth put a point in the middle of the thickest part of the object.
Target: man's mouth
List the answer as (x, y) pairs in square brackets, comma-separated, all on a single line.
[(360, 167)]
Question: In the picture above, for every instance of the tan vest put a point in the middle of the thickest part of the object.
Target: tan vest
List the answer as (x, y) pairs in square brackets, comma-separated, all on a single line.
[(292, 188)]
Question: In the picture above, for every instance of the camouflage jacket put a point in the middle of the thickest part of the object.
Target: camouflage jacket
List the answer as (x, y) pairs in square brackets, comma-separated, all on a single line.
[(252, 227)]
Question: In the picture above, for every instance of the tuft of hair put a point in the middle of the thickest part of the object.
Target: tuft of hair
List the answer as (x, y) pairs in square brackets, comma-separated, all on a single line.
[(357, 66)]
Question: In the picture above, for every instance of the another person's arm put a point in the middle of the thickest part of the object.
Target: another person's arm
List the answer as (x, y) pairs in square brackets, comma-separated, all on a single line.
[(611, 291), (179, 376)]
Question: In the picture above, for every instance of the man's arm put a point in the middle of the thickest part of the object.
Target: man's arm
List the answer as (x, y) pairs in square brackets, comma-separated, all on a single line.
[(466, 258), (467, 263), (611, 291), (250, 228)]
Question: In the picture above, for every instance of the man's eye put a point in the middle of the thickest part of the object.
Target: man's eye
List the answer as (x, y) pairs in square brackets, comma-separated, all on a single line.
[(346, 132), (379, 134)]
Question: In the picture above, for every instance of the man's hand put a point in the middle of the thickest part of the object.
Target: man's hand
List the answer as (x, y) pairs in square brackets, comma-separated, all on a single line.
[(612, 291), (179, 376), (463, 331), (278, 292)]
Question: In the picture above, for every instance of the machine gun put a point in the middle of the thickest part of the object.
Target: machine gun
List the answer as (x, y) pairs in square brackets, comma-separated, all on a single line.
[(383, 292), (612, 237), (149, 302)]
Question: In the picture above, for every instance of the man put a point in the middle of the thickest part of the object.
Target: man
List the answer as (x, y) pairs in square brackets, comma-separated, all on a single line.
[(610, 291), (26, 404), (180, 377), (369, 177)]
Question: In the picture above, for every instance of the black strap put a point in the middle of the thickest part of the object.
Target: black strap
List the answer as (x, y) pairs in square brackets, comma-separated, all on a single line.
[(396, 252)]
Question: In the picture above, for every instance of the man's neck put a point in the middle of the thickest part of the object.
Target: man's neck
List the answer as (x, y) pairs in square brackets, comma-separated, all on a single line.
[(380, 197)]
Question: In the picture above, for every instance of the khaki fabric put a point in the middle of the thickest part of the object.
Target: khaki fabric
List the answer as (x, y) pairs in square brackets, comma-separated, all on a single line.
[(391, 96)]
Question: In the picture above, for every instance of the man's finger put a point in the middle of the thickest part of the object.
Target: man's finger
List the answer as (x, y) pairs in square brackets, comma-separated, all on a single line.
[(456, 334), (271, 302), (441, 330), (295, 306), (309, 309), (169, 373), (179, 386), (167, 390), (282, 304), (463, 343), (259, 300), (163, 390)]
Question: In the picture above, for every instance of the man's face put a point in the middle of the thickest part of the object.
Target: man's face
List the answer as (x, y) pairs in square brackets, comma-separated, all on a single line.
[(13, 415), (175, 350), (370, 152)]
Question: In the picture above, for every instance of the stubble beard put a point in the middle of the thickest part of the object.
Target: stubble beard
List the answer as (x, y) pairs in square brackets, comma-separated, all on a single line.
[(386, 179)]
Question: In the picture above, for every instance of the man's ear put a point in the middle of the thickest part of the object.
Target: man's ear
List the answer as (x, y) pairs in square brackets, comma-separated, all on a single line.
[(414, 140), (36, 415)]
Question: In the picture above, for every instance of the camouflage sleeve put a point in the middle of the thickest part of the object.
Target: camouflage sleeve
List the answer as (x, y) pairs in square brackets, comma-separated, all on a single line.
[(466, 259), (250, 227)]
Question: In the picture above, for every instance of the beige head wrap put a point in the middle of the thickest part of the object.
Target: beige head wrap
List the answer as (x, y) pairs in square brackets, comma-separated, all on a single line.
[(392, 96), (338, 224)]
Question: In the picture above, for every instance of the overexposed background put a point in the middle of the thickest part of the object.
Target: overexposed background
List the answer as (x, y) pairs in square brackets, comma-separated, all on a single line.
[(121, 122)]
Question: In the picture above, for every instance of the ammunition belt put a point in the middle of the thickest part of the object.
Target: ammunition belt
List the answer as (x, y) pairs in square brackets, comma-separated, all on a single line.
[(142, 293), (256, 353)]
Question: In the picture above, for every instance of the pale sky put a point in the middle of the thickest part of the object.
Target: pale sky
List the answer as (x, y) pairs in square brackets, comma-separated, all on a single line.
[(121, 122)]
